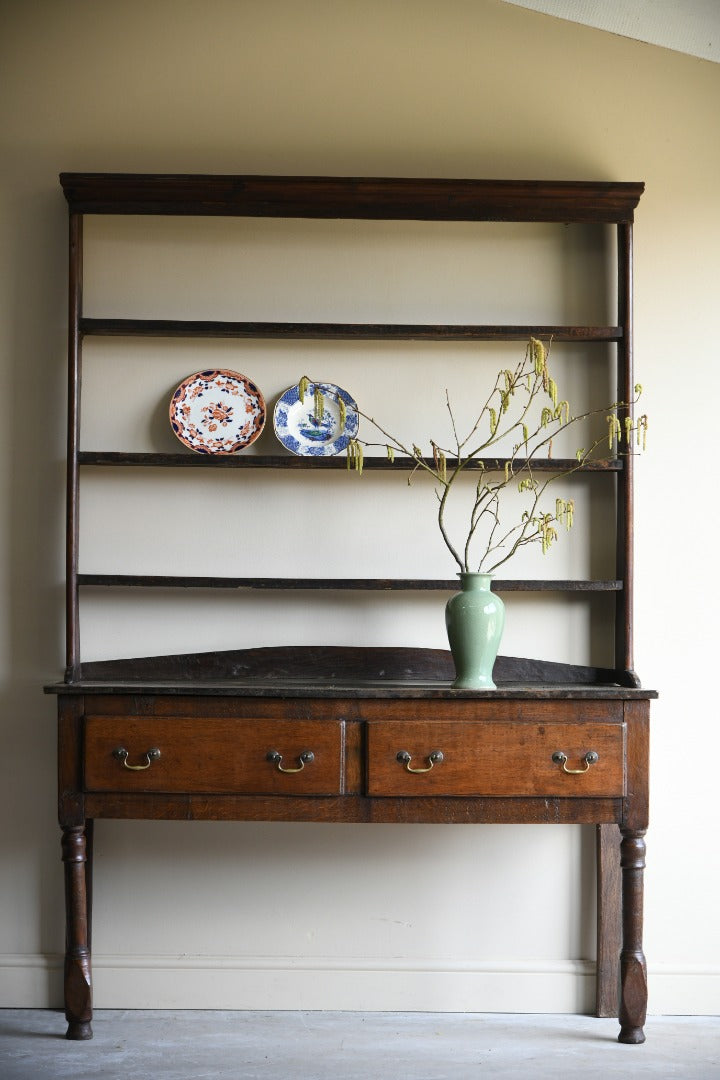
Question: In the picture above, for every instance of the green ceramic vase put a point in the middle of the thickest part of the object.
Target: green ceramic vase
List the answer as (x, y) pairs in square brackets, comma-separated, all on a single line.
[(475, 618)]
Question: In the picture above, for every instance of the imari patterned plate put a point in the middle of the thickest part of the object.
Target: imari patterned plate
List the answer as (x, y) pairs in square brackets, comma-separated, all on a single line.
[(316, 429), (217, 411)]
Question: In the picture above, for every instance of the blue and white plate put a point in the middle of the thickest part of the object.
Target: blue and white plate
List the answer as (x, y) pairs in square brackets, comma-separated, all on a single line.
[(306, 435)]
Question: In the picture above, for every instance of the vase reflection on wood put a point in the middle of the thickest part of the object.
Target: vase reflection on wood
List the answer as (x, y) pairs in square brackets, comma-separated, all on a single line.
[(475, 618)]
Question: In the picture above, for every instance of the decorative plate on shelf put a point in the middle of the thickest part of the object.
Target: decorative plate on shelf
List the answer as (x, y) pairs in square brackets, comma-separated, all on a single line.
[(308, 434), (217, 411)]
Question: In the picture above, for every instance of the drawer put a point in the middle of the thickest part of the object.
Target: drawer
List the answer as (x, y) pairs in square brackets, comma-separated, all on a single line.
[(494, 758), (218, 755)]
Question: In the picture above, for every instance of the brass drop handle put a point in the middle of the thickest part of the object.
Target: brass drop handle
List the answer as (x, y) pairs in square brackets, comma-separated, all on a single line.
[(122, 755), (591, 758), (434, 758), (306, 758)]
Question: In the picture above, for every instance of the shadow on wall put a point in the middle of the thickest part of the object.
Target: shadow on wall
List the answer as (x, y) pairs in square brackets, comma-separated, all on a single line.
[(35, 396)]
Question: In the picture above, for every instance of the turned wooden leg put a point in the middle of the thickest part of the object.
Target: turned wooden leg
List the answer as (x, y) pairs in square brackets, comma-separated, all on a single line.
[(633, 972), (78, 992)]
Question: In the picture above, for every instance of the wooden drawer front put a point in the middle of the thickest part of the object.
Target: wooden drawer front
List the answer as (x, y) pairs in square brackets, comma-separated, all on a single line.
[(486, 757), (219, 755)]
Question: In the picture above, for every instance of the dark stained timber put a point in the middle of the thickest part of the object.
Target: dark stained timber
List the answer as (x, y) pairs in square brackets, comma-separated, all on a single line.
[(205, 328), (335, 664), (352, 197), (165, 581), (72, 513), (279, 461)]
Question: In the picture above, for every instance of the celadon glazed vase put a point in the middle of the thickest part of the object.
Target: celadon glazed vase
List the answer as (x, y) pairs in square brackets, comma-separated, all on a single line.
[(475, 618)]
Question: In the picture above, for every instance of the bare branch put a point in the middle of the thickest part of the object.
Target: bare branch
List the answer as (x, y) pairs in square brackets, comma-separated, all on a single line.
[(512, 410)]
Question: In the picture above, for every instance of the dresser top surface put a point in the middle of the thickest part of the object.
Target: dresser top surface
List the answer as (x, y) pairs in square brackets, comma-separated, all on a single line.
[(377, 689)]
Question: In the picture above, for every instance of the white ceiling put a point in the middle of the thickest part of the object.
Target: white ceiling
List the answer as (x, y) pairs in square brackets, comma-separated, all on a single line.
[(688, 26)]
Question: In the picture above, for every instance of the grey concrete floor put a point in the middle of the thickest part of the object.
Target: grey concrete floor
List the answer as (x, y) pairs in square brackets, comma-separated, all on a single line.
[(140, 1045)]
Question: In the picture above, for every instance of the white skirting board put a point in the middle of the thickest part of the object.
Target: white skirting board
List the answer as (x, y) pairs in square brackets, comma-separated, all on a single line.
[(367, 984)]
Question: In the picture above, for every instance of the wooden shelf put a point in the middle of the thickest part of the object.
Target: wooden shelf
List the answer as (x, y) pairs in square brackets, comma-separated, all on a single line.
[(163, 581), (113, 458), (197, 328)]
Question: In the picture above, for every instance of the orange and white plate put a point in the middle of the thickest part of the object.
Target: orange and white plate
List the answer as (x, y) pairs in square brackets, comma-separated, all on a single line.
[(217, 411)]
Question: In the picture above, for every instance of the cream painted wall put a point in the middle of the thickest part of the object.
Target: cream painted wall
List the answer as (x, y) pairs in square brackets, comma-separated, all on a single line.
[(330, 916)]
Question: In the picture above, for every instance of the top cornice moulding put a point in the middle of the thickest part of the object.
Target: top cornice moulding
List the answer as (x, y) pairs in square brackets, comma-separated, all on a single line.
[(352, 197)]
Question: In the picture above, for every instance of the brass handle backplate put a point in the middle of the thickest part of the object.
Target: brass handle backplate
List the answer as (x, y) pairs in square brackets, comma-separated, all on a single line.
[(306, 758), (434, 758), (122, 755), (591, 758)]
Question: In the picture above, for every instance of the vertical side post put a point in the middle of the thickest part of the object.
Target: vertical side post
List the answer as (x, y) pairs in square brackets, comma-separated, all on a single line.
[(607, 844), (624, 659), (72, 625)]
